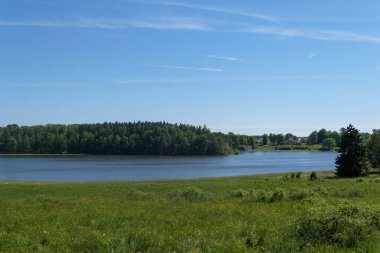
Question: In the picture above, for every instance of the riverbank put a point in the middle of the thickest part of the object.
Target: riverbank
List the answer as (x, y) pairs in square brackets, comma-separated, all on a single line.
[(235, 214), (296, 148)]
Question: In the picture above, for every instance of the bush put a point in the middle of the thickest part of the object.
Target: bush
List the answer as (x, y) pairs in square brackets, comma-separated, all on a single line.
[(191, 194), (300, 194), (300, 147), (298, 175), (345, 225), (263, 196), (349, 194), (137, 195), (313, 176), (277, 195), (293, 175), (283, 148), (322, 191), (241, 193)]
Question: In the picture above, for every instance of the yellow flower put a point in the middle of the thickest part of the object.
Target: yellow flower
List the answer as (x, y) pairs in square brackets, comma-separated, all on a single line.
[(95, 232)]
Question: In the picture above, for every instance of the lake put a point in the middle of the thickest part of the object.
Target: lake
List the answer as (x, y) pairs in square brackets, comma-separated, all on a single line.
[(96, 168)]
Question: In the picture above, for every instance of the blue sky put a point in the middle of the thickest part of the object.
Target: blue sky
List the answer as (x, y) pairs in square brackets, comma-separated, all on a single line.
[(242, 66)]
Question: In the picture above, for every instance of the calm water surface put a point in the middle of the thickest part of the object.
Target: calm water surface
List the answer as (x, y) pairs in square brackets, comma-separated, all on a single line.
[(94, 168)]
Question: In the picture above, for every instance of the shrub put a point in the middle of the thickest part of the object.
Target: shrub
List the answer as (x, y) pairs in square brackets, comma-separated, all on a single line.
[(300, 147), (241, 193), (349, 194), (283, 148), (322, 191), (300, 194), (345, 225), (313, 176), (277, 195), (137, 195), (360, 180), (191, 194), (263, 196), (298, 175), (293, 175)]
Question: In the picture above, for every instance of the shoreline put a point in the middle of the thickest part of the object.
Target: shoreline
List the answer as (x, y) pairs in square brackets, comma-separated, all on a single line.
[(142, 155), (174, 180)]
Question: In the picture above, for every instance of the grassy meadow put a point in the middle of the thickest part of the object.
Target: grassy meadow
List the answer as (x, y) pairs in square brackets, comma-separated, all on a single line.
[(268, 213)]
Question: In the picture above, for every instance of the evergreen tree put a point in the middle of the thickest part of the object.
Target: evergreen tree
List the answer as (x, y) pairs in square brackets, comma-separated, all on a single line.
[(374, 149), (265, 139), (352, 161)]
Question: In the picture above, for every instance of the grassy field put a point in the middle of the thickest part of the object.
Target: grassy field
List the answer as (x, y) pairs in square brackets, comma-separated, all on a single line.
[(272, 213)]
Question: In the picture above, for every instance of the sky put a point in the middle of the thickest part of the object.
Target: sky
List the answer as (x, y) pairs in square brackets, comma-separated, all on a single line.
[(249, 67)]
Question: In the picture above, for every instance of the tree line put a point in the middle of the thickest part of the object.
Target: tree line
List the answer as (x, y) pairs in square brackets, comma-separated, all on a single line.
[(131, 138), (328, 139)]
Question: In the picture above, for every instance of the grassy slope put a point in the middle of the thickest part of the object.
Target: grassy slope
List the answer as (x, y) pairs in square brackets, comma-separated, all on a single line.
[(153, 217)]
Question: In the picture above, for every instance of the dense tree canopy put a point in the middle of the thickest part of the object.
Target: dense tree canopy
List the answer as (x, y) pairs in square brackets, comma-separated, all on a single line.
[(352, 161), (317, 137), (374, 149), (328, 144), (137, 138)]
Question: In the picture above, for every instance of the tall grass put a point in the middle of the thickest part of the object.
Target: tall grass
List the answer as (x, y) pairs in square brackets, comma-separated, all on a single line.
[(242, 214)]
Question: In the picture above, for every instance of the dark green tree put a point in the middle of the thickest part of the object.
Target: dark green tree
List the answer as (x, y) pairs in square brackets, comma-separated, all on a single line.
[(374, 149), (352, 161), (328, 144), (26, 144), (280, 139), (322, 135), (10, 145), (313, 138), (265, 139)]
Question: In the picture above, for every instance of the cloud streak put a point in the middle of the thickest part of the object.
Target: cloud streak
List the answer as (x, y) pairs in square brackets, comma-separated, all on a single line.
[(162, 23), (207, 69), (313, 55), (198, 24), (218, 57), (215, 9), (332, 35)]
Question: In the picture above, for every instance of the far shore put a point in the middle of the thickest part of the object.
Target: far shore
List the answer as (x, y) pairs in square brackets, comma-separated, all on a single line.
[(259, 149)]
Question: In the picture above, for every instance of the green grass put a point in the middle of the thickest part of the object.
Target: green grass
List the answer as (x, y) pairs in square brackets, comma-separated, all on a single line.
[(239, 214)]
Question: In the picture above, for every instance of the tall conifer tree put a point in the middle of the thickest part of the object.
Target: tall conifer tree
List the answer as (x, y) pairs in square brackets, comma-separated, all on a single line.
[(352, 161)]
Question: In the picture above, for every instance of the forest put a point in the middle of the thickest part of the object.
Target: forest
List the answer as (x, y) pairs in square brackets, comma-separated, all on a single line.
[(134, 138)]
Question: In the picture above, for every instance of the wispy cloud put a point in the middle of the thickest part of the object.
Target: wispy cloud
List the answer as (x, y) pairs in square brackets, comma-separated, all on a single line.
[(313, 55), (208, 69), (224, 79), (215, 9), (226, 58), (199, 24), (333, 35), (160, 23)]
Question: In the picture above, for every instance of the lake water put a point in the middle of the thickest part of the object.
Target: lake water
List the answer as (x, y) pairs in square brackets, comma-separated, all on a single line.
[(94, 168)]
